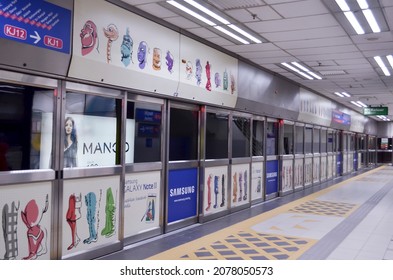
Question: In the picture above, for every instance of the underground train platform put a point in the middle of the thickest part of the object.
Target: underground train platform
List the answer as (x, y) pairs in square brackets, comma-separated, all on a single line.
[(347, 219)]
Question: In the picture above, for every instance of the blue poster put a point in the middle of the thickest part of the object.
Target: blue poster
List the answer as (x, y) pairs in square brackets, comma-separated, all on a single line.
[(182, 194), (36, 23), (271, 176)]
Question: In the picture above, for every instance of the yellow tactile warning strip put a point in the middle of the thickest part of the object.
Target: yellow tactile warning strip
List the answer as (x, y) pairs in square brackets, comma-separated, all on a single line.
[(208, 246), (327, 208), (251, 245)]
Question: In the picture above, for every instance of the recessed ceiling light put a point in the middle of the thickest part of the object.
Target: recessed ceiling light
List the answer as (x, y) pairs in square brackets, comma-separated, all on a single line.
[(382, 65)]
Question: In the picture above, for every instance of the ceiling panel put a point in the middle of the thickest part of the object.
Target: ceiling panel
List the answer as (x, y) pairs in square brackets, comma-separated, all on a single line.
[(301, 9), (315, 43), (311, 34), (291, 24), (264, 13)]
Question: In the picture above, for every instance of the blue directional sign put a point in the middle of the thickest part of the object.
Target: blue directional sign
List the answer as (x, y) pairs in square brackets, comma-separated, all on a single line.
[(36, 23)]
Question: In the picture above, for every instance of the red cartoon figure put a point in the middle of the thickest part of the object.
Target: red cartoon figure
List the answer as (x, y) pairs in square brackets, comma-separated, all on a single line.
[(88, 37), (74, 214), (36, 234)]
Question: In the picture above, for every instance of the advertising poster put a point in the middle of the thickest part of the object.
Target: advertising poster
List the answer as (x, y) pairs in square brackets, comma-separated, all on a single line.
[(182, 194), (240, 184), (323, 168), (271, 177), (298, 173), (308, 166), (215, 190), (350, 162), (257, 183), (287, 175), (355, 161), (96, 141), (142, 202), (335, 168), (359, 161), (206, 74), (118, 47), (338, 164), (329, 167), (26, 221), (316, 169), (345, 163), (90, 214)]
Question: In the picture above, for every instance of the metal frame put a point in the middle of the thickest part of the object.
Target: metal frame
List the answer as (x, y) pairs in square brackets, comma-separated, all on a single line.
[(182, 164), (147, 166), (204, 163)]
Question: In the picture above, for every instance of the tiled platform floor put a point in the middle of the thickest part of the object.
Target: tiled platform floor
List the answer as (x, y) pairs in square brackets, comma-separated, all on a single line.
[(347, 218)]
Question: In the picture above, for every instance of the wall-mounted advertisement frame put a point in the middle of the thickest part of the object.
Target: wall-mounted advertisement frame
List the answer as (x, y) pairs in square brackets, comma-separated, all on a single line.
[(257, 181), (90, 214), (215, 195), (240, 184), (26, 221), (142, 202)]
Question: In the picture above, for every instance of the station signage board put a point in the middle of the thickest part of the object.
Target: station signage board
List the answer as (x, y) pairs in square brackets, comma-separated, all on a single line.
[(37, 23), (375, 111)]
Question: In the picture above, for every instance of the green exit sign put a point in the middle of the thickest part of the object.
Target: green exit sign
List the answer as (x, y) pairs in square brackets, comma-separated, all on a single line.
[(375, 111)]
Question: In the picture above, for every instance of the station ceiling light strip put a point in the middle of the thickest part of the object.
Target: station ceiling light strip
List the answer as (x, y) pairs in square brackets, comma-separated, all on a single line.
[(342, 94), (382, 65), (359, 104), (221, 26), (301, 70), (367, 13)]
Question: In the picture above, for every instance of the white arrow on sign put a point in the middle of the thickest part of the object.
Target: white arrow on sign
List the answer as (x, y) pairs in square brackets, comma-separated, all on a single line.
[(36, 37)]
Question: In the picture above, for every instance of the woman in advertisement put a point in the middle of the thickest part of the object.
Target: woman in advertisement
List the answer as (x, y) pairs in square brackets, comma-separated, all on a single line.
[(70, 143)]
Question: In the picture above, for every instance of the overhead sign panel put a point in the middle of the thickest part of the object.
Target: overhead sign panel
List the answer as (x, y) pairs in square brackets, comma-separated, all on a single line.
[(36, 23), (375, 111)]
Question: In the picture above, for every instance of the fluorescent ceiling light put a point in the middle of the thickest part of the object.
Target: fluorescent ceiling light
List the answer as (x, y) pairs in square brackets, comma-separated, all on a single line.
[(223, 30), (356, 104), (363, 4), (308, 72), (354, 22), (362, 104), (346, 94), (190, 12), (343, 5), (385, 70), (244, 33), (371, 21), (207, 11), (390, 59), (338, 94), (297, 71)]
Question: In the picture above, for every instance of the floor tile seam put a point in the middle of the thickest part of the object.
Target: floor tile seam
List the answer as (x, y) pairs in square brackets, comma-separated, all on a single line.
[(328, 243)]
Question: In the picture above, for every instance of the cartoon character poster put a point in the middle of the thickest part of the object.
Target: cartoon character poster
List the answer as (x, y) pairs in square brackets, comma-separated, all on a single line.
[(240, 184), (287, 175), (298, 173), (215, 192), (25, 220), (124, 49), (90, 213)]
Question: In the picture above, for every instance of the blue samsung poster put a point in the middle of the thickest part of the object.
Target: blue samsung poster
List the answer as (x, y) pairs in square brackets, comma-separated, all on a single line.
[(36, 23), (182, 194), (271, 176)]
